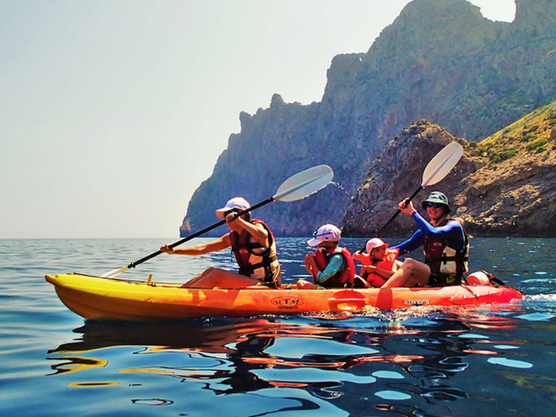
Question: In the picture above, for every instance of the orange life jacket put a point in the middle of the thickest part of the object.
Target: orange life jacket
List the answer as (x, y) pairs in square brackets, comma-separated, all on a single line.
[(377, 280)]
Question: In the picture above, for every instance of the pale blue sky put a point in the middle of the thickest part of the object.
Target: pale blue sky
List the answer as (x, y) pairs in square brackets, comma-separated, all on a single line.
[(113, 112)]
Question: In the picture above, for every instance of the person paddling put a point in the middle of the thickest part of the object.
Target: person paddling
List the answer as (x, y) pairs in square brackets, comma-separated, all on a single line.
[(331, 265), (445, 244), (378, 264), (253, 245)]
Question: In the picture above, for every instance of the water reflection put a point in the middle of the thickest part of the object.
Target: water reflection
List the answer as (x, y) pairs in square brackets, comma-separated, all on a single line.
[(76, 363), (313, 366), (402, 362)]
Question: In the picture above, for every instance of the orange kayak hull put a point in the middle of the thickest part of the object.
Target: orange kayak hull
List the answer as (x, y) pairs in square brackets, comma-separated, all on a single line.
[(96, 298)]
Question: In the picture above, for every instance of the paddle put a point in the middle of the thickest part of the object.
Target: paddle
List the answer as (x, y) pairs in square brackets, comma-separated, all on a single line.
[(434, 172), (297, 187)]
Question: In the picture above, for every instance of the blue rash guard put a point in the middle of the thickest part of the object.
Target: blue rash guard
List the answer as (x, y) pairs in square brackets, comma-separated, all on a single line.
[(452, 232), (333, 267)]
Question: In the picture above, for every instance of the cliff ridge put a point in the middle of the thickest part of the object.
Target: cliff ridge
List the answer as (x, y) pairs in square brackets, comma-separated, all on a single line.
[(440, 60)]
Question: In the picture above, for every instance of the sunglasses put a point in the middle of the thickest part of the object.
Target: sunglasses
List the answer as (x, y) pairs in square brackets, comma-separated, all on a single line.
[(435, 205)]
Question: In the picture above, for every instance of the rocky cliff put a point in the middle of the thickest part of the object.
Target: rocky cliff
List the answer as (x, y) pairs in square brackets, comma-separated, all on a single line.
[(396, 174), (440, 60), (503, 186), (514, 193)]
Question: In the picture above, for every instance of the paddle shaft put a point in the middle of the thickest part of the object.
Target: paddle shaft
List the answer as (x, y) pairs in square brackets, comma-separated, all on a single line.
[(398, 211), (196, 234), (391, 219)]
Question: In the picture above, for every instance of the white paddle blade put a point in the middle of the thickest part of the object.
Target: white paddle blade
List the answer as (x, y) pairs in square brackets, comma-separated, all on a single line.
[(114, 272), (442, 164), (304, 184)]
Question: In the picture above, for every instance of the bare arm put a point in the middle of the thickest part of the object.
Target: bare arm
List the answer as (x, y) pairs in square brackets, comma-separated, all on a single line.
[(258, 232), (385, 273), (200, 249), (311, 265)]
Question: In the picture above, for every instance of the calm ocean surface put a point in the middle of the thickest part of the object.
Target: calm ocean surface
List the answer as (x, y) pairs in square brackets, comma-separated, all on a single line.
[(482, 361)]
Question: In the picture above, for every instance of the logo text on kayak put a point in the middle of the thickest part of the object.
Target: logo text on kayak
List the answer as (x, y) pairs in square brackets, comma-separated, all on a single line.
[(287, 302)]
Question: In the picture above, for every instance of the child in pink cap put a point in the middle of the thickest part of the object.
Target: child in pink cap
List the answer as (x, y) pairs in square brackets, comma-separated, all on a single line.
[(377, 265)]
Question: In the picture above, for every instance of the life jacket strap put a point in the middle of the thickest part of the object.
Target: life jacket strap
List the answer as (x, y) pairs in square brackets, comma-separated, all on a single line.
[(447, 258), (248, 270)]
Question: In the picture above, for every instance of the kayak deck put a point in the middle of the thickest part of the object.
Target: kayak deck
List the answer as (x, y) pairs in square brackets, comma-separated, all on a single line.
[(112, 299)]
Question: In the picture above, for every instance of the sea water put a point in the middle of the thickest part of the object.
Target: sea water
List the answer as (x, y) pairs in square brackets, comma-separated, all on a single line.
[(480, 361)]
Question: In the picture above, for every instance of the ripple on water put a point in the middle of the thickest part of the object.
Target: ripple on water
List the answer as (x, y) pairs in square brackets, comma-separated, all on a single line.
[(392, 395), (387, 375), (510, 363)]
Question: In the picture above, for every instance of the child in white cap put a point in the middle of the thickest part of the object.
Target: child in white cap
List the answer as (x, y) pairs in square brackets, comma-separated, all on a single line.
[(377, 264), (252, 243), (331, 266)]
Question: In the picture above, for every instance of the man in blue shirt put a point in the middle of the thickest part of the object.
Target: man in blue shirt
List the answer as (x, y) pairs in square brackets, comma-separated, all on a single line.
[(445, 245)]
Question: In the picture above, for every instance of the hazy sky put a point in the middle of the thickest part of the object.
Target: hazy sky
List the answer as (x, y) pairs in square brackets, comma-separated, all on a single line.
[(113, 112)]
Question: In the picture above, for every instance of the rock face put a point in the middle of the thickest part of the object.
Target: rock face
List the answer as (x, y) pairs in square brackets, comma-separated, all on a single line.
[(514, 193), (397, 174), (514, 198), (503, 186), (440, 60)]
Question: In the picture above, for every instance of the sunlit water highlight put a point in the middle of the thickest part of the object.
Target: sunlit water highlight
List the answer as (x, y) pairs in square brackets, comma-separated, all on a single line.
[(495, 361)]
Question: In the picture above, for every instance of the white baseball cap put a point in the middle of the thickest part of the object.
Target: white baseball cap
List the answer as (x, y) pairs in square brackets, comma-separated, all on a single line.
[(236, 203), (327, 232), (375, 242)]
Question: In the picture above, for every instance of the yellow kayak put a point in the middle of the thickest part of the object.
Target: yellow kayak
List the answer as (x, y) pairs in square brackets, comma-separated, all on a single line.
[(114, 299)]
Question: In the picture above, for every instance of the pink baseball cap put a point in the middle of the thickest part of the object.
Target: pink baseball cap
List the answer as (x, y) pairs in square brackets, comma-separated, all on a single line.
[(375, 242), (236, 203), (327, 232)]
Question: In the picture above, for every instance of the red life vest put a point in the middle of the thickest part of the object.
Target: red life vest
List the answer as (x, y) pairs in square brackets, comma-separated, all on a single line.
[(446, 260), (254, 259), (377, 280), (344, 276)]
